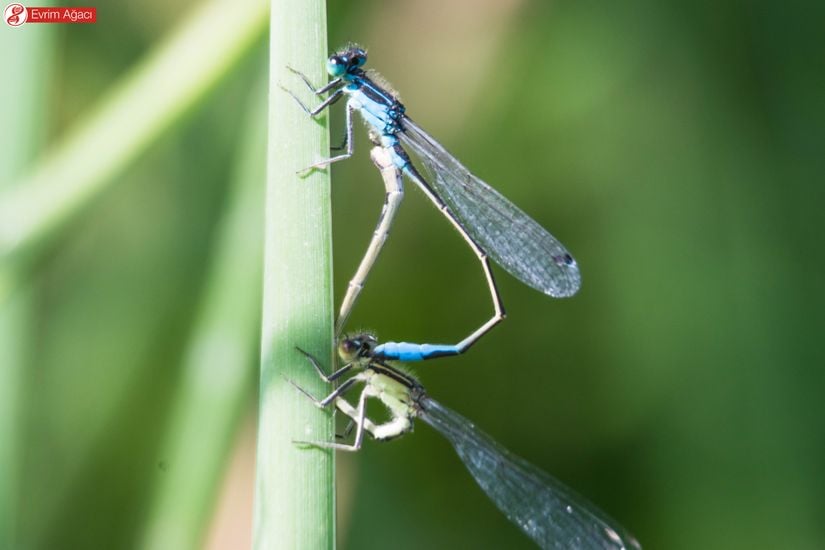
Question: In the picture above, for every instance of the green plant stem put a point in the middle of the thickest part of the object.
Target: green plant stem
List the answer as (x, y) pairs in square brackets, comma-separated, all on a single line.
[(26, 77), (180, 72), (294, 501), (219, 365)]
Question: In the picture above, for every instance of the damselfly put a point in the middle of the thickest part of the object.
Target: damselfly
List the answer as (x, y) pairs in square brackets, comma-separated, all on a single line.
[(492, 225), (546, 510)]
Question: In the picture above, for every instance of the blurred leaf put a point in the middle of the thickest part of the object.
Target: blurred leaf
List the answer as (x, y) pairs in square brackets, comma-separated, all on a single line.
[(218, 367), (144, 104)]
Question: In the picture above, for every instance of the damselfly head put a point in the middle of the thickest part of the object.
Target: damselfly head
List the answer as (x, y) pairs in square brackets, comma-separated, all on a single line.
[(345, 60), (357, 346)]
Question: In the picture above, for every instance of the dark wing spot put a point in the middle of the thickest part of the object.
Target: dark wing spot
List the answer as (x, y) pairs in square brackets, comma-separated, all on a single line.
[(565, 259)]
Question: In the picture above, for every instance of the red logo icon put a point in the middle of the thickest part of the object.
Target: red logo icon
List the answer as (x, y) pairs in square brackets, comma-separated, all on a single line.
[(15, 15)]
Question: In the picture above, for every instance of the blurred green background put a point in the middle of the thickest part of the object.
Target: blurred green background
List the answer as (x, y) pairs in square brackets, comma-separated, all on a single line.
[(678, 150)]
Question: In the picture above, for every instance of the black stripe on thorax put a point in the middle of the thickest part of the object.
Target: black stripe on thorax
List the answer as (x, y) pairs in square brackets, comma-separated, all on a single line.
[(376, 92), (395, 374)]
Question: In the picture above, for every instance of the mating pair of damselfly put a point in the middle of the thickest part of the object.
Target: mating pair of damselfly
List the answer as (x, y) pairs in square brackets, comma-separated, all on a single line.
[(547, 511)]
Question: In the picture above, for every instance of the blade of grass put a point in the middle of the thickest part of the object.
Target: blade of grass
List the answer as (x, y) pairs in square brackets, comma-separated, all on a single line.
[(219, 367), (15, 338), (144, 104), (25, 85), (294, 500)]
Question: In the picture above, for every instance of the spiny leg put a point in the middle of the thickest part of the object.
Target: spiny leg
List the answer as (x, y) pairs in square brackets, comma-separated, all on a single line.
[(381, 432), (323, 105), (344, 141), (324, 403), (345, 407), (329, 86), (349, 133), (360, 420), (347, 430), (328, 379), (317, 91)]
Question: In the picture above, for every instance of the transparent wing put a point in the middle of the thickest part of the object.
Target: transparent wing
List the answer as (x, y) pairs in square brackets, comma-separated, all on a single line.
[(551, 514), (508, 235)]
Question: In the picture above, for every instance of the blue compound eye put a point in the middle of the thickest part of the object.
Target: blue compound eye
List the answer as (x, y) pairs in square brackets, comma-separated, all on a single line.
[(336, 66), (359, 59)]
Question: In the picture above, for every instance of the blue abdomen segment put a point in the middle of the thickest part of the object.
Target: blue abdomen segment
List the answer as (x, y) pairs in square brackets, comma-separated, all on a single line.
[(405, 351)]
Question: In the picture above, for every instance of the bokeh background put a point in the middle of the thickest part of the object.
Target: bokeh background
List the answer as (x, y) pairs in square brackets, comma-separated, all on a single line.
[(677, 149)]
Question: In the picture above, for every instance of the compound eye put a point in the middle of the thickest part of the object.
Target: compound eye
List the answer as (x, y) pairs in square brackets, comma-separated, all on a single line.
[(359, 59), (348, 348), (336, 65)]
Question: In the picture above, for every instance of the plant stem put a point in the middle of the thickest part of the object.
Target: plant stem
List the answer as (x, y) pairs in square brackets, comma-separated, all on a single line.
[(26, 77), (295, 499)]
